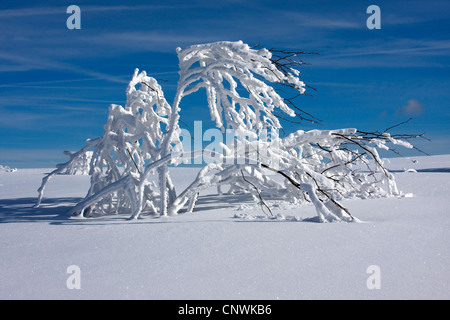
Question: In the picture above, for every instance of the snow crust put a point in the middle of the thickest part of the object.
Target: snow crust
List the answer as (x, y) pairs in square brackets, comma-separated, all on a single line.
[(228, 248)]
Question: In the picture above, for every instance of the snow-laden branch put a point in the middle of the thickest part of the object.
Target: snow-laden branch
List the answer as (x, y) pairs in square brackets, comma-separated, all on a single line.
[(62, 167), (129, 166), (226, 70)]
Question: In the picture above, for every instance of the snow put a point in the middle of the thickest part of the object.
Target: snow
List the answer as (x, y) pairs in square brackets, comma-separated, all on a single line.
[(144, 137), (7, 169), (227, 248)]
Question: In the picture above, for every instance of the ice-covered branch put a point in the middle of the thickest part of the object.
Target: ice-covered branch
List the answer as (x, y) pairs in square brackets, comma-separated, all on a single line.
[(225, 70), (62, 167), (129, 167)]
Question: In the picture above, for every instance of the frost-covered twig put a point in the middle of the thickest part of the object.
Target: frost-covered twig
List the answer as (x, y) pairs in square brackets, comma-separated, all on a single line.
[(62, 167)]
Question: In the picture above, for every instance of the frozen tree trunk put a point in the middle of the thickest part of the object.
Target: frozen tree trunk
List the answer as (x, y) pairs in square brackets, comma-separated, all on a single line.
[(328, 211), (164, 194)]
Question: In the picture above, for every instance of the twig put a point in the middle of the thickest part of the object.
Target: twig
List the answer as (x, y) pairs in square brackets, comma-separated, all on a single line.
[(295, 183), (132, 159), (398, 124), (329, 197), (374, 157), (259, 194)]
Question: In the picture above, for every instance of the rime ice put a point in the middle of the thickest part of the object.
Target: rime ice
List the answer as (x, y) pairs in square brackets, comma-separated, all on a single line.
[(129, 163)]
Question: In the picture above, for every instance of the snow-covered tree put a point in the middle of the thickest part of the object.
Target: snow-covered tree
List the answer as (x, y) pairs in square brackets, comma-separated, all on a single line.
[(223, 68), (123, 158), (130, 163), (134, 137), (81, 165)]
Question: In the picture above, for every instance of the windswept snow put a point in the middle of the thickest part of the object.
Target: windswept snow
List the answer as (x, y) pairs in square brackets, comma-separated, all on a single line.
[(228, 248)]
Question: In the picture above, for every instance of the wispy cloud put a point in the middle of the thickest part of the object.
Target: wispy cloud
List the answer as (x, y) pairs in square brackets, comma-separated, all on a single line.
[(397, 53), (27, 12), (310, 20), (400, 47), (154, 41), (36, 62), (43, 11), (49, 102)]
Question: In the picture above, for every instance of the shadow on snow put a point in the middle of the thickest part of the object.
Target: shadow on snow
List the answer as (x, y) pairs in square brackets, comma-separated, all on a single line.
[(22, 209), (56, 210)]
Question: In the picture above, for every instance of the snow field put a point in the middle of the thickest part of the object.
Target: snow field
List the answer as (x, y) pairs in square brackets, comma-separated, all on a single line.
[(227, 248)]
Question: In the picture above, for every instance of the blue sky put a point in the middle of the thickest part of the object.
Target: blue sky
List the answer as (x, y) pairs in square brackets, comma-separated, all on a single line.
[(56, 84)]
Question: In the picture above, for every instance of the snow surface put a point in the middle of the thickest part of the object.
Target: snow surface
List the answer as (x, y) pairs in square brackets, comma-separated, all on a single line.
[(228, 248)]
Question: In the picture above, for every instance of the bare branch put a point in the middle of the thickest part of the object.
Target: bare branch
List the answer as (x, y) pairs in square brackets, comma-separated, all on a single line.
[(259, 194), (398, 124)]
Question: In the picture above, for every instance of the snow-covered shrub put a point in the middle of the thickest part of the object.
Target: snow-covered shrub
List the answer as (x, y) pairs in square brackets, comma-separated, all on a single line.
[(81, 165), (129, 165), (223, 68)]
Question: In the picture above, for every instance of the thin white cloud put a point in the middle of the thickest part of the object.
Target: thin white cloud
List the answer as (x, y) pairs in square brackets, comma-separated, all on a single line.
[(397, 53), (27, 12), (43, 11), (39, 63), (324, 21), (402, 46), (147, 41)]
